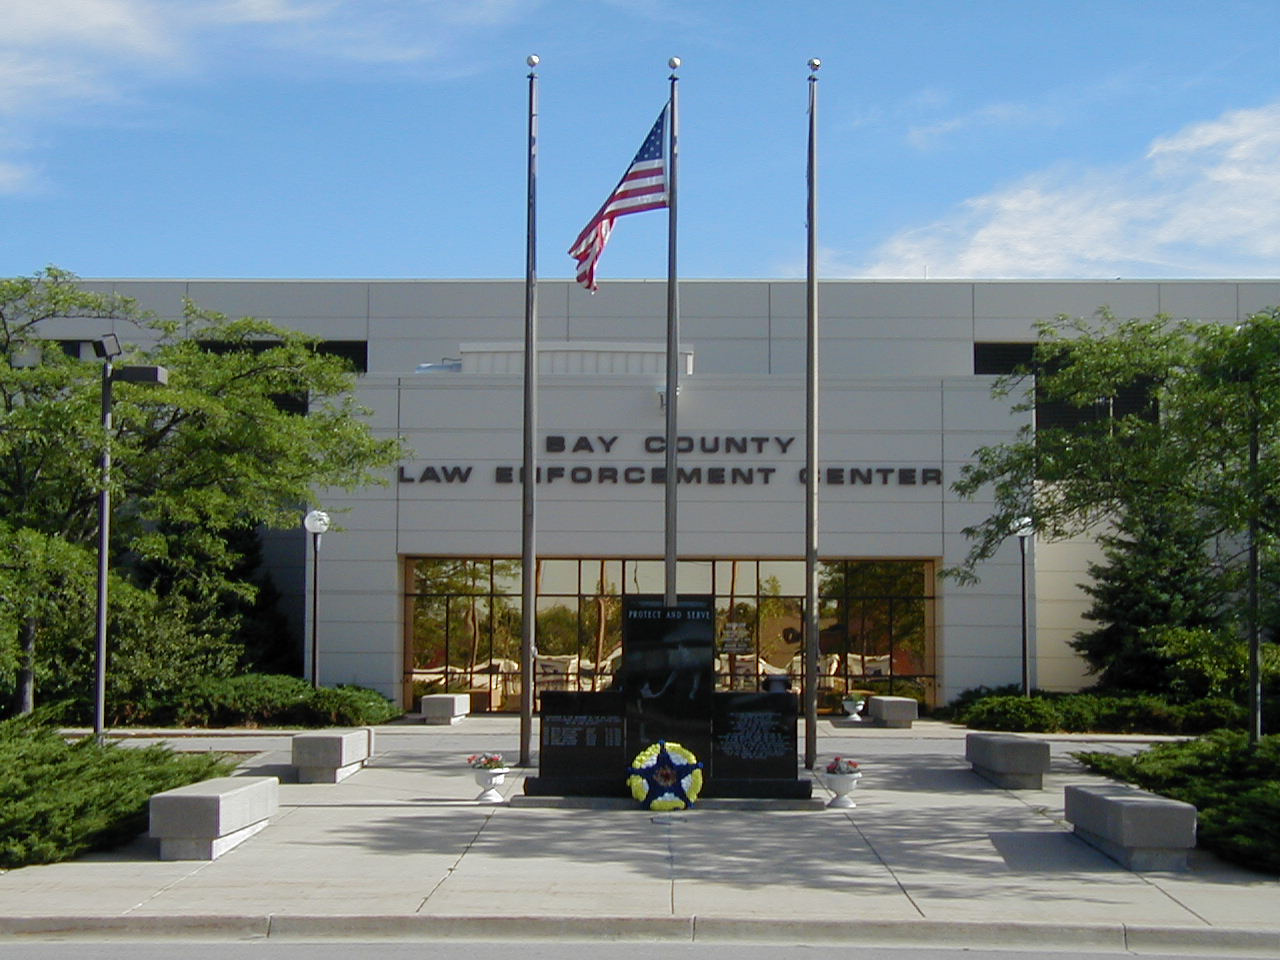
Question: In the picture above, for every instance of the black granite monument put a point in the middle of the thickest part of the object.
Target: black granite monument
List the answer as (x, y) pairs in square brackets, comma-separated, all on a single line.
[(665, 690)]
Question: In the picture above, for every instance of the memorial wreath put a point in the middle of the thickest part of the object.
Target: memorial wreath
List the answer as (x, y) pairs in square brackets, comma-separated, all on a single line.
[(665, 776)]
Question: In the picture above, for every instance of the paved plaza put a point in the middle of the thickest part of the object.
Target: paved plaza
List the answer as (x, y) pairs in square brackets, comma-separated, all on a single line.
[(931, 854)]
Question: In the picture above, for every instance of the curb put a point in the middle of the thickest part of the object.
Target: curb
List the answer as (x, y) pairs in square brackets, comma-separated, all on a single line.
[(1245, 942), (1113, 937), (197, 927)]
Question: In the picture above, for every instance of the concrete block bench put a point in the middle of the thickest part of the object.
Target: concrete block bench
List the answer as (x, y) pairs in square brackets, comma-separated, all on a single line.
[(1007, 760), (1140, 830), (892, 711), (202, 821), (328, 756), (443, 709)]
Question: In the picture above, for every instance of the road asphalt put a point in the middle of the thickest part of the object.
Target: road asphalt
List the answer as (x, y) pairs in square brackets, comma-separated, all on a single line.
[(931, 854)]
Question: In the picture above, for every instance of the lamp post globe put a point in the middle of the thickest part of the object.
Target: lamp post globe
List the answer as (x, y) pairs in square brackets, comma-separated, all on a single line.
[(315, 523), (1025, 530)]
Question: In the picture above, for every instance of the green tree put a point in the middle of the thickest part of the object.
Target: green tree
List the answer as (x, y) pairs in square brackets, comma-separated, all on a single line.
[(1158, 573), (1205, 446), (253, 420), (1199, 662), (48, 591), (40, 589)]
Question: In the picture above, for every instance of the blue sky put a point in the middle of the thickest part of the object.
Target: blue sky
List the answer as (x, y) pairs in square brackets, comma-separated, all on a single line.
[(385, 138)]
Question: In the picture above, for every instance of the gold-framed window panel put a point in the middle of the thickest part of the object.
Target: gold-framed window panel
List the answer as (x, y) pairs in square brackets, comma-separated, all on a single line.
[(877, 619)]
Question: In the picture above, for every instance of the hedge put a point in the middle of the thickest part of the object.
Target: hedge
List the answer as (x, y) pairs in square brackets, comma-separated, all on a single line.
[(1092, 713), (1235, 788), (264, 699), (60, 799)]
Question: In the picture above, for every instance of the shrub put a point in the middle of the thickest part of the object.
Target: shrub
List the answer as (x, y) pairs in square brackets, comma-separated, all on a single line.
[(958, 708), (1093, 713), (1234, 787), (250, 699), (1141, 714), (60, 799), (1014, 713), (265, 699), (1079, 712), (1215, 713), (352, 706), (1246, 829)]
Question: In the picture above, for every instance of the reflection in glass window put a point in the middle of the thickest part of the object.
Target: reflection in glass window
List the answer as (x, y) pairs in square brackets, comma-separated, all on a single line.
[(693, 576), (558, 576), (782, 576), (463, 624), (644, 576)]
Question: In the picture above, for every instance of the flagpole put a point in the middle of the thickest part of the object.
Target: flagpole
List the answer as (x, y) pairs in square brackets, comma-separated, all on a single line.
[(528, 552), (811, 618), (673, 345)]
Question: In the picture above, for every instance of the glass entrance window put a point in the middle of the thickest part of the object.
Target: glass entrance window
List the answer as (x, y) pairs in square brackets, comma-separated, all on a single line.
[(463, 624)]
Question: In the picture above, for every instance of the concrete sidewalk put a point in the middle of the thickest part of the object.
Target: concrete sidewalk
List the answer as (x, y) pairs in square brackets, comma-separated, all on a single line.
[(931, 854)]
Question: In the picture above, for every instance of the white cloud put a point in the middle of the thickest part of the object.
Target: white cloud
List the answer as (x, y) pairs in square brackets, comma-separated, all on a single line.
[(28, 83), (54, 52), (17, 178), (329, 32), (925, 135), (126, 26), (1202, 202), (260, 11), (481, 13), (58, 55), (76, 45)]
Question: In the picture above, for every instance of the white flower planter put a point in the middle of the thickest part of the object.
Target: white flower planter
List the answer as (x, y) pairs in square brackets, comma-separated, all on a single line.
[(489, 780), (842, 784)]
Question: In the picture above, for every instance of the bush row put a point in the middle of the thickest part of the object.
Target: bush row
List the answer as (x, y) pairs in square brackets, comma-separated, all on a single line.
[(1094, 713), (60, 799), (1235, 788), (265, 699)]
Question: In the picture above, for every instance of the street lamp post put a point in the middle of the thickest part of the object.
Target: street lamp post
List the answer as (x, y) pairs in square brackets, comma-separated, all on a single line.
[(1024, 532), (316, 522), (108, 348)]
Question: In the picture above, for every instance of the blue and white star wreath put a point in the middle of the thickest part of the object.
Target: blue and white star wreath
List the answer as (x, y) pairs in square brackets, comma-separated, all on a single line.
[(665, 776)]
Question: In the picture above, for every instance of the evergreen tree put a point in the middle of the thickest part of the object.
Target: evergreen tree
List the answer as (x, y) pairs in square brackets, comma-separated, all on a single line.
[(1158, 573)]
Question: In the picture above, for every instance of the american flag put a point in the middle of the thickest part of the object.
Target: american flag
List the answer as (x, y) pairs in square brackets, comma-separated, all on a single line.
[(642, 187)]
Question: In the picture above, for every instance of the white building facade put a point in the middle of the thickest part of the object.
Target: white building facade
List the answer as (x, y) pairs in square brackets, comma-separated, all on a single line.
[(419, 581)]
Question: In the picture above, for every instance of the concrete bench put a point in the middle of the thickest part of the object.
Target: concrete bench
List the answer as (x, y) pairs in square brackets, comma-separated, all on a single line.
[(202, 821), (1140, 830), (443, 709), (328, 756), (1007, 760), (898, 712)]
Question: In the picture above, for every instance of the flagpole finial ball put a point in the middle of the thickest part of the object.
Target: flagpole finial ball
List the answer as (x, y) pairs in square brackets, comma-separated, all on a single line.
[(533, 60), (814, 64), (674, 63)]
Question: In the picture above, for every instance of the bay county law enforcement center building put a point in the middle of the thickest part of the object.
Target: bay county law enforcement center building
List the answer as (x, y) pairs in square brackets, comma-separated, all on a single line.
[(419, 582)]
